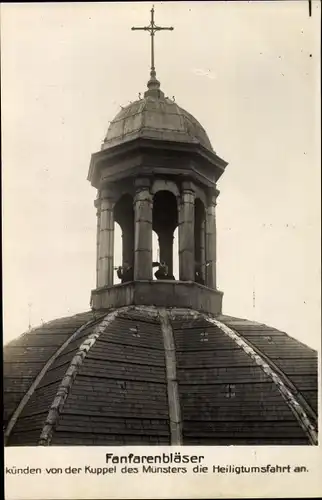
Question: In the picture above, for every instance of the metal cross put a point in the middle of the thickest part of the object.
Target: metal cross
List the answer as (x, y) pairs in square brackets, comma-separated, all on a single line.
[(152, 29)]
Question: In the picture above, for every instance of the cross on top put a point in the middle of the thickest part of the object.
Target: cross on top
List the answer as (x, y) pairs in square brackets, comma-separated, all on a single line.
[(152, 29)]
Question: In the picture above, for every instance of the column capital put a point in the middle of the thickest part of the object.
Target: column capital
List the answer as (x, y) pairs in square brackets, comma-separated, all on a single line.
[(107, 194), (142, 183), (188, 186), (166, 233), (212, 196)]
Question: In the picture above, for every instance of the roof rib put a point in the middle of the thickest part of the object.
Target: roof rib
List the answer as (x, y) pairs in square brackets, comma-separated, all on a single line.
[(171, 370), (69, 377), (289, 396), (39, 378)]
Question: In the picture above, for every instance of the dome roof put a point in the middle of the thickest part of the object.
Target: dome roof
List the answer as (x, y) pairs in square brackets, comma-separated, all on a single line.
[(155, 117), (107, 379)]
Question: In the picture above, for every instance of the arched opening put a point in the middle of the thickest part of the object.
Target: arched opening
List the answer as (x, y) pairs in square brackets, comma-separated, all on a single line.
[(164, 223), (124, 219), (200, 242), (176, 253), (117, 250), (155, 251)]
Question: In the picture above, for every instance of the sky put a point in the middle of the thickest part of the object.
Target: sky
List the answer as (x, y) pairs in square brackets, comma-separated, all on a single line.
[(248, 71)]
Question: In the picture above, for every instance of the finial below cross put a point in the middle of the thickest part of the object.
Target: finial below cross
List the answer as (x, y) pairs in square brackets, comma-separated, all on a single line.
[(152, 29)]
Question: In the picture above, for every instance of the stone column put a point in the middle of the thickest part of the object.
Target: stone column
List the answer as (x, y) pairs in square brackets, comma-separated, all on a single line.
[(186, 233), (211, 251), (166, 247), (97, 204), (203, 249), (143, 230), (106, 240)]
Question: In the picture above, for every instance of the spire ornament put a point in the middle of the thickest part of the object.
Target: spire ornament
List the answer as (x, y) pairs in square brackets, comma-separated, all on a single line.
[(152, 28)]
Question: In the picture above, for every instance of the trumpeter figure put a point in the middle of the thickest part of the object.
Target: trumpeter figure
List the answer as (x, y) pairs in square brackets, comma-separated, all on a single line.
[(162, 271), (198, 274), (125, 272)]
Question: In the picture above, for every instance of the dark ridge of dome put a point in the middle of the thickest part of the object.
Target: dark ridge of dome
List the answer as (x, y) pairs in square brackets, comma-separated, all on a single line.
[(118, 393), (155, 117)]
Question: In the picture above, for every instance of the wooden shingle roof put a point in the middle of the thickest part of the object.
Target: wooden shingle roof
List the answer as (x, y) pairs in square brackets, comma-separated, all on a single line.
[(145, 375)]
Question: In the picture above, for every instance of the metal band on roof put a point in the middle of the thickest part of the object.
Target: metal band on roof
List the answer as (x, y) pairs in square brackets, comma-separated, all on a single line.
[(290, 398), (172, 383), (69, 377), (40, 376)]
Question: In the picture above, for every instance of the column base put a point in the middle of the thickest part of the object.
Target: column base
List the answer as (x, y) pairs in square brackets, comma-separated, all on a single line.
[(185, 294)]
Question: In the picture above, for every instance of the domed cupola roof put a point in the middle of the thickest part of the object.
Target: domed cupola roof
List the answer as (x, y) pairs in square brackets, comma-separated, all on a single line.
[(155, 117)]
